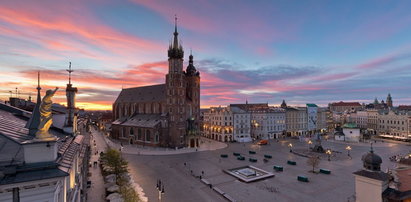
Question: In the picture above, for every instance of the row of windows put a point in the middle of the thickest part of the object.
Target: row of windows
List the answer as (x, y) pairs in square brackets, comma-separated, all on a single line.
[(398, 128), (392, 122)]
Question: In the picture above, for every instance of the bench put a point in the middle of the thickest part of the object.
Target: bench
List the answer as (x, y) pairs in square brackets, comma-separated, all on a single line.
[(292, 163), (251, 152), (267, 156), (252, 160), (223, 155), (236, 154), (325, 171), (241, 158), (302, 178), (278, 168)]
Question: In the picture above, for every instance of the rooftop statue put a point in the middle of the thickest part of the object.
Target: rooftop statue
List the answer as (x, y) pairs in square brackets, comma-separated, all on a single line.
[(46, 116)]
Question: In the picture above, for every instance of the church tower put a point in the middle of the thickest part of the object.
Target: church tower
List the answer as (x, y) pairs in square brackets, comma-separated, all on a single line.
[(389, 100), (193, 103), (69, 124), (176, 94)]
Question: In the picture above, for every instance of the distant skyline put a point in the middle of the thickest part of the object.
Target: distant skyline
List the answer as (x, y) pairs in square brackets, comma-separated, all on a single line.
[(260, 51)]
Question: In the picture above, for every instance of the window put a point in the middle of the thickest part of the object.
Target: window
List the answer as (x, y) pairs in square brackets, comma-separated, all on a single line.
[(131, 131), (148, 136)]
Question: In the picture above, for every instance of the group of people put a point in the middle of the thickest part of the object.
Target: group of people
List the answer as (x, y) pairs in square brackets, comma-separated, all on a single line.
[(395, 157)]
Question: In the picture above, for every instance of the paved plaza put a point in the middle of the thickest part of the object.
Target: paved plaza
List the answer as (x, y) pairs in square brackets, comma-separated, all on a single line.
[(180, 172)]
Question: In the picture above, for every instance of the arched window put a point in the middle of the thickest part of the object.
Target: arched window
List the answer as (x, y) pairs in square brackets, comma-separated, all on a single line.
[(131, 131), (148, 135), (139, 134)]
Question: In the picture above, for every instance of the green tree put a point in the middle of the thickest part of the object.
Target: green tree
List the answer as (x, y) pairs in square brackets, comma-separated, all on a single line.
[(114, 163)]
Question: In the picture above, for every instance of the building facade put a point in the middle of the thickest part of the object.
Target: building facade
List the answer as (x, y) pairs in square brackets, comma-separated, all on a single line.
[(394, 124), (344, 106), (296, 121), (165, 114), (244, 122)]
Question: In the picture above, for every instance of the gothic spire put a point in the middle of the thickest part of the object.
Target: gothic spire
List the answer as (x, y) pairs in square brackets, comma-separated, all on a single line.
[(175, 44), (175, 50)]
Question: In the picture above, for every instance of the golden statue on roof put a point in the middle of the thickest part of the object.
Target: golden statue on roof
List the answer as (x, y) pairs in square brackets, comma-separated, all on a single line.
[(46, 116)]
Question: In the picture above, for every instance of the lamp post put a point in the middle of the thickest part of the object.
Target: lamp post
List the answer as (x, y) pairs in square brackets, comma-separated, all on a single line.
[(348, 148), (160, 188), (291, 147), (328, 152), (309, 144)]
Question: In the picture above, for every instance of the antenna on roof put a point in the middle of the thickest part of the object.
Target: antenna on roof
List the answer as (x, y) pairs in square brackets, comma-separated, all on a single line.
[(69, 70)]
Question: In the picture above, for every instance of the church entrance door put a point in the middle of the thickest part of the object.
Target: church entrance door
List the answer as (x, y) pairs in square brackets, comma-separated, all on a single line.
[(192, 143)]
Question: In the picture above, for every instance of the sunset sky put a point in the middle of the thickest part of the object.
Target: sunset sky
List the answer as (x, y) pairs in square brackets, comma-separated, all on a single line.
[(263, 51)]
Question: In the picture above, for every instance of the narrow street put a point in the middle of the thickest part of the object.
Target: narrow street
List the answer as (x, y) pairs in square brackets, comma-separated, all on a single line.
[(96, 192)]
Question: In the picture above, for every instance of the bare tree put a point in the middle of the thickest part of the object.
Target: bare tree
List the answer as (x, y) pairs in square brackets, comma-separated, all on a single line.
[(313, 161)]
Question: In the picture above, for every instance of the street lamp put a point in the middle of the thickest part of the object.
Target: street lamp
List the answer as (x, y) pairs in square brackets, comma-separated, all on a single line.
[(328, 152), (309, 144), (348, 148), (291, 147), (160, 188)]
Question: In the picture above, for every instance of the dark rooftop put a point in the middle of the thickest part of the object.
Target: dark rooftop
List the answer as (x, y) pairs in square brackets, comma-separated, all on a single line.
[(154, 93), (374, 175)]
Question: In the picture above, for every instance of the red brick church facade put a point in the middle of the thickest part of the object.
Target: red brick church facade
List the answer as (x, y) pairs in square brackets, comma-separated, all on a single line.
[(165, 114)]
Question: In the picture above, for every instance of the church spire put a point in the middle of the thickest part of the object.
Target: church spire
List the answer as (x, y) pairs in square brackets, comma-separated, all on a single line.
[(175, 44), (175, 50), (191, 70)]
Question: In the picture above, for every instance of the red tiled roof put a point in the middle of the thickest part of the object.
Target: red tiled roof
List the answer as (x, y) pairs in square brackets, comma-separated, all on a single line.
[(404, 107), (343, 104)]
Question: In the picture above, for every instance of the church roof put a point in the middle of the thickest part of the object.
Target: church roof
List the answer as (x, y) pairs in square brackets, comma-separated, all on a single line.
[(153, 93), (142, 120)]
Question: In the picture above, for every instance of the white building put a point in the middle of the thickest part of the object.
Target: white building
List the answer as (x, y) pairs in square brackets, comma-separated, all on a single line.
[(218, 124), (268, 123), (241, 124), (394, 124), (350, 133)]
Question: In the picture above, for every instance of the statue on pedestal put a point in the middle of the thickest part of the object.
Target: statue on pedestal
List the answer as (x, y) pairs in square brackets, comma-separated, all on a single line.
[(46, 116)]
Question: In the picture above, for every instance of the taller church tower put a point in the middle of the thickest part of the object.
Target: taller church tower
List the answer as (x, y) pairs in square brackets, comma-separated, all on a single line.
[(176, 94)]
